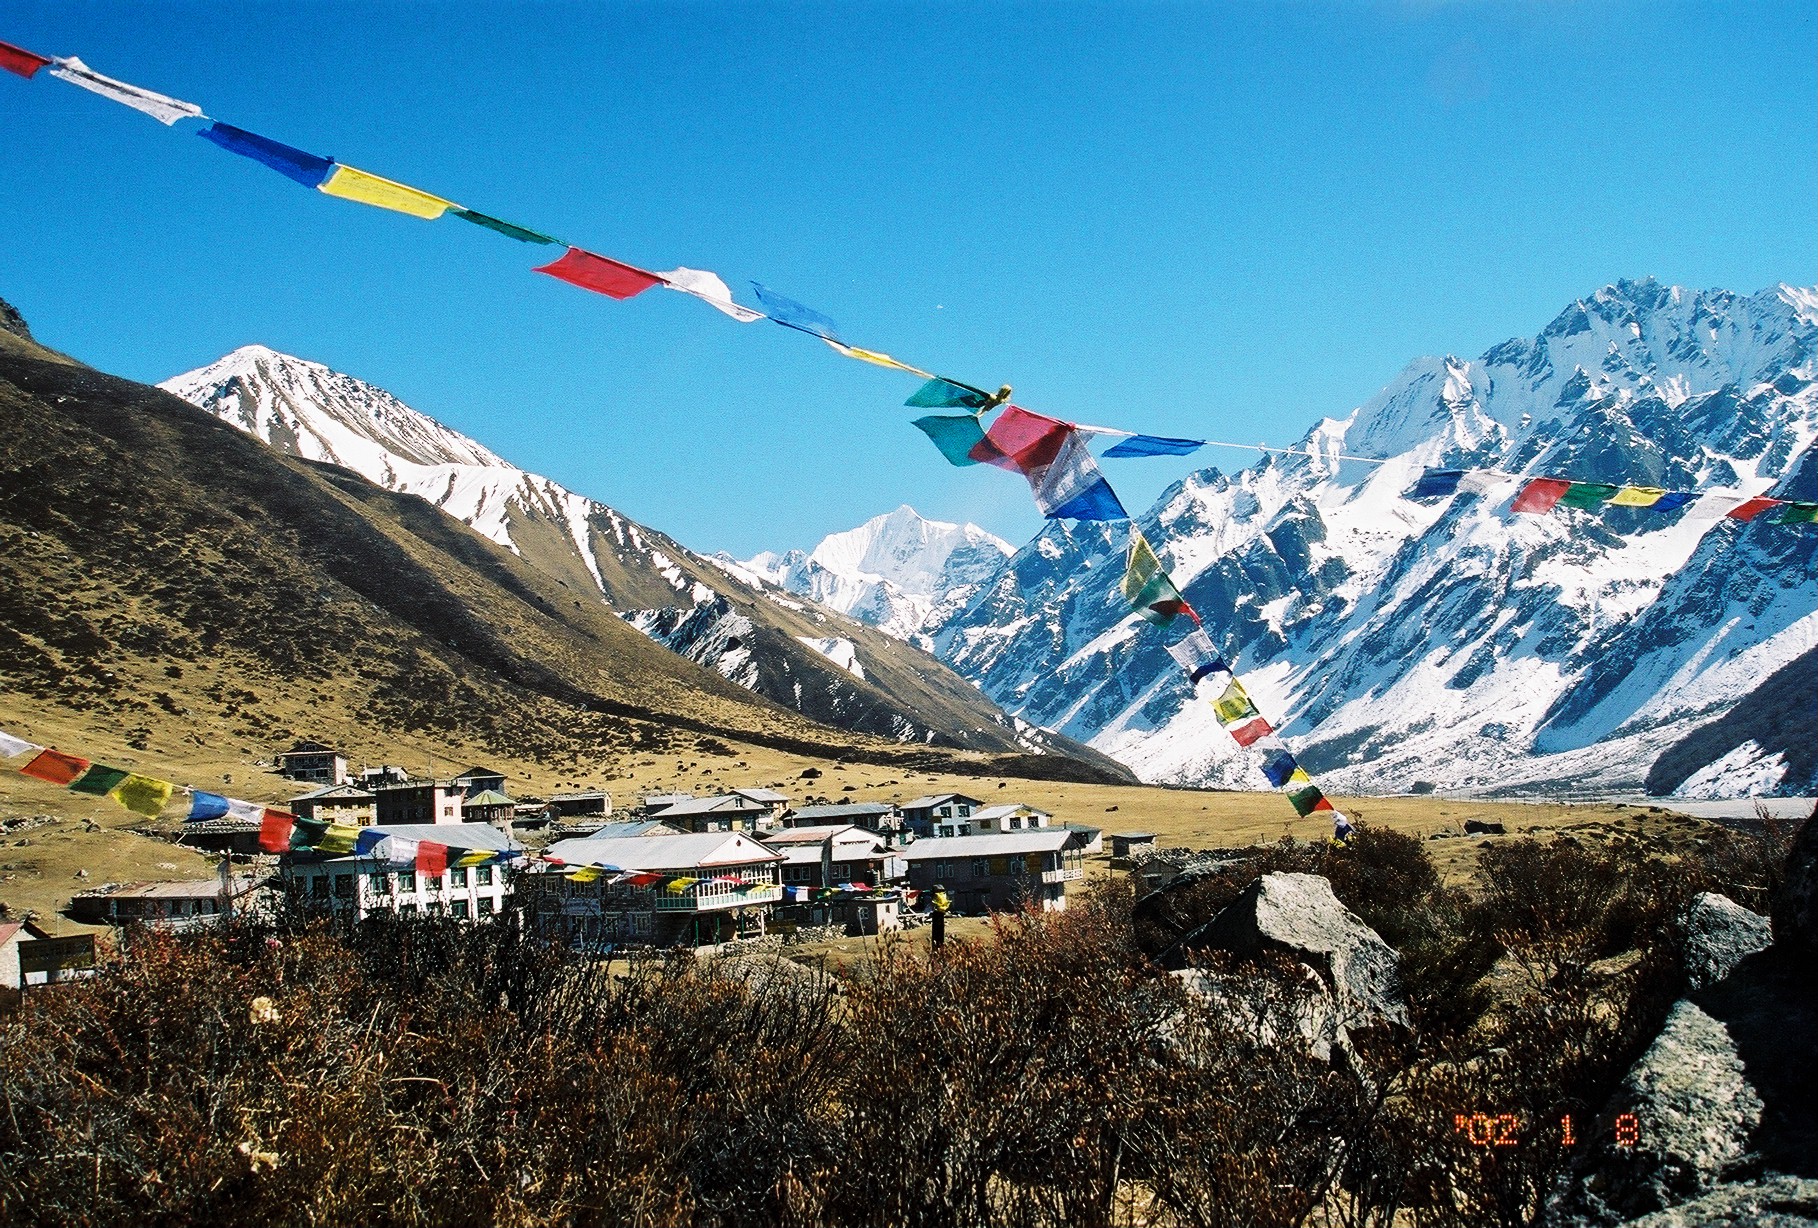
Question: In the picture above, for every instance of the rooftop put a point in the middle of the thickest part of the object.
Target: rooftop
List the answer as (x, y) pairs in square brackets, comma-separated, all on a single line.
[(1004, 811), (996, 844), (185, 889), (347, 792), (622, 831), (850, 810), (709, 805), (489, 797), (842, 833), (714, 848), (935, 799)]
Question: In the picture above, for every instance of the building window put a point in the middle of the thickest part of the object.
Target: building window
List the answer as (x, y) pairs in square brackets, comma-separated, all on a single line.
[(457, 877), (965, 811), (407, 880), (381, 882), (344, 886), (318, 886), (483, 876), (432, 882), (448, 811), (1016, 824), (460, 909), (945, 812), (981, 869), (486, 906), (407, 910)]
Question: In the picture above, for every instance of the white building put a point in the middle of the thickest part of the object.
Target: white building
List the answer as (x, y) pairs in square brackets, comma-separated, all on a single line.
[(360, 887), (691, 889)]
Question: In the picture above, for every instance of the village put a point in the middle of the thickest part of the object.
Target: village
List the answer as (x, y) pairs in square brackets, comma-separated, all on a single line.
[(675, 869)]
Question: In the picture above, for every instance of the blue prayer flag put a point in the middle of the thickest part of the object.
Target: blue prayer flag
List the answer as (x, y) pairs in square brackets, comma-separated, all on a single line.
[(1097, 502), (791, 314), (1278, 767), (1154, 445), (1671, 500), (367, 841), (1437, 484), (306, 168), (205, 806)]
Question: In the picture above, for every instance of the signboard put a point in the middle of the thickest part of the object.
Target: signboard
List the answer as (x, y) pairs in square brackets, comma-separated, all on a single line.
[(52, 955)]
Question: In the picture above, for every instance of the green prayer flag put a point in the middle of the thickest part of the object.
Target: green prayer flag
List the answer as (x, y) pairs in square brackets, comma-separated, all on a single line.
[(510, 231), (1587, 495), (98, 781), (1146, 584), (1306, 800), (1797, 513), (939, 393), (954, 436), (306, 833)]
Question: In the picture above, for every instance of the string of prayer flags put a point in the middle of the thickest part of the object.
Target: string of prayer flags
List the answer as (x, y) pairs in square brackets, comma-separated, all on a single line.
[(1153, 445), (350, 183), (161, 108), (1147, 586), (1540, 495), (305, 168), (11, 747), (19, 60), (600, 274), (55, 767), (1197, 656), (940, 393), (710, 289), (510, 230), (791, 314)]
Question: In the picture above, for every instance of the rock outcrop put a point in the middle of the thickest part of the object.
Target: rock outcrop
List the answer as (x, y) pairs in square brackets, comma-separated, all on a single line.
[(1796, 906), (1776, 1202), (1719, 934)]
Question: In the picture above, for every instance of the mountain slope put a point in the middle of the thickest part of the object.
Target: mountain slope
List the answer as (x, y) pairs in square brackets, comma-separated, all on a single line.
[(731, 623), (1455, 645), (170, 580)]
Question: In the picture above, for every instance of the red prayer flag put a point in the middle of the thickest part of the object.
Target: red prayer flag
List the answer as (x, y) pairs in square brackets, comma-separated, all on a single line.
[(1540, 495), (1020, 441), (56, 767), (1251, 731), (1322, 804), (21, 61), (274, 831), (591, 272), (1752, 508), (432, 858)]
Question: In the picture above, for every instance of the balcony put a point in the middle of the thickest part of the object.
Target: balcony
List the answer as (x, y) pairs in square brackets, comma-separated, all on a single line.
[(715, 897), (1071, 874)]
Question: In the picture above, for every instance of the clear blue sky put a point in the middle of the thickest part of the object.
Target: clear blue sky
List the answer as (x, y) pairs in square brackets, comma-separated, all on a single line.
[(1225, 219)]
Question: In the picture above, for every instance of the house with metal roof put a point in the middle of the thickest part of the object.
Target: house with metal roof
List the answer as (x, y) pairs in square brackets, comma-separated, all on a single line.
[(873, 816), (999, 871), (171, 905), (830, 855), (1013, 816), (337, 804), (359, 887), (940, 814), (314, 762), (690, 889), (740, 810)]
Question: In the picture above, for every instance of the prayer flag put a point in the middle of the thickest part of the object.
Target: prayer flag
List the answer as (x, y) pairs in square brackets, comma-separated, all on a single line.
[(586, 874), (1251, 731), (472, 857), (21, 61), (351, 184), (1435, 484), (144, 795), (1790, 513), (791, 314), (1586, 495), (1637, 496), (522, 234), (164, 110), (1154, 445), (339, 838), (306, 168), (874, 358), (956, 437), (1751, 508), (1071, 487), (11, 746), (305, 833), (1713, 506), (368, 841), (399, 853), (1307, 799), (1234, 705), (205, 806), (1481, 481), (1341, 827), (1673, 500), (600, 274), (1279, 766), (274, 831), (432, 858), (1196, 655), (940, 393), (679, 884), (1020, 441), (55, 767), (99, 780), (1146, 584), (643, 880), (237, 809), (710, 290), (1540, 494)]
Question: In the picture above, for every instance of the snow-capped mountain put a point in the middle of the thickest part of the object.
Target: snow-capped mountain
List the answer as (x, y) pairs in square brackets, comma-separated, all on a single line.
[(1453, 645), (805, 657), (897, 571)]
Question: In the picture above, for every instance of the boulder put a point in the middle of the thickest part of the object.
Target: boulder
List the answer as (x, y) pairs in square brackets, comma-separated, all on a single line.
[(1773, 1202), (1483, 827), (1695, 1112), (1298, 915), (1719, 934), (1796, 905), (1307, 1013)]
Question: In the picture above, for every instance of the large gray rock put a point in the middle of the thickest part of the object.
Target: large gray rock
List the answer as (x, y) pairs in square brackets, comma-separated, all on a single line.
[(1302, 1014), (1298, 915), (1695, 1110), (1719, 934), (1796, 906), (1774, 1202)]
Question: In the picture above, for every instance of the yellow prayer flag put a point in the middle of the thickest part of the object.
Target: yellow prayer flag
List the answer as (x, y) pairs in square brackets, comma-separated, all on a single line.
[(1637, 496), (874, 358), (142, 794), (1298, 777), (586, 874), (351, 184)]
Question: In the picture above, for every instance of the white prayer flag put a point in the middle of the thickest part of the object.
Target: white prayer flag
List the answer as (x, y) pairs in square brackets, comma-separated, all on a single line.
[(164, 110), (10, 746), (1196, 655), (237, 809), (710, 290), (1714, 506)]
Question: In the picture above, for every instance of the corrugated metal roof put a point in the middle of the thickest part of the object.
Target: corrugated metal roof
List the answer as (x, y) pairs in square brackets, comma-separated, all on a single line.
[(850, 810), (455, 835), (622, 831), (709, 805), (714, 848), (814, 835), (810, 854), (1004, 811), (935, 799), (994, 844), (763, 795), (489, 797)]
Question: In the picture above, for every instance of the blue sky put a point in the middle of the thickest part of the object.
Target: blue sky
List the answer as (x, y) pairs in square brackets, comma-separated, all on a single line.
[(1194, 219)]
